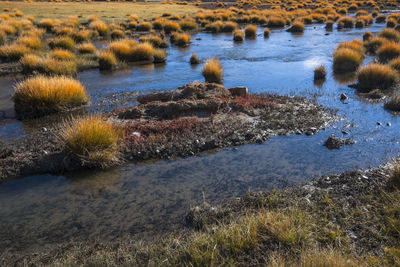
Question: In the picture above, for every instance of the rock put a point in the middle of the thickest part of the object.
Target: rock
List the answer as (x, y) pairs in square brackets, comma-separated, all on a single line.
[(334, 142), (239, 91), (378, 123), (344, 132), (163, 97), (343, 97), (388, 124)]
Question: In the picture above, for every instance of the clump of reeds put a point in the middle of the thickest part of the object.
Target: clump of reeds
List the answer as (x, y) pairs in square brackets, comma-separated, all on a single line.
[(212, 71), (376, 76)]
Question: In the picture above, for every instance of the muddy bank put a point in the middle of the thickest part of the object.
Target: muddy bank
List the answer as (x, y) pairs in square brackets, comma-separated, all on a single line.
[(350, 212), (179, 123)]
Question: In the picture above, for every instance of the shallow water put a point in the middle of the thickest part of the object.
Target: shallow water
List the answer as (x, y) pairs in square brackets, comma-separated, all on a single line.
[(141, 200)]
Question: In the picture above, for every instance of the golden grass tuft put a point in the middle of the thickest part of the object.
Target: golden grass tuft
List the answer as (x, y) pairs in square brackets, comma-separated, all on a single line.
[(297, 26), (319, 73), (142, 52), (345, 22), (86, 48), (250, 31), (100, 26), (155, 40), (376, 76), (42, 95), (170, 26), (276, 22), (32, 42), (388, 51), (63, 42), (390, 34), (393, 104), (117, 34), (93, 140), (182, 39), (238, 35), (144, 26), (107, 60), (346, 60), (159, 56), (122, 49), (212, 71), (62, 54), (194, 59), (13, 52)]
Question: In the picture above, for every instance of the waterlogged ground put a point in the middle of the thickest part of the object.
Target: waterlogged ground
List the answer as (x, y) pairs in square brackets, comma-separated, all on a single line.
[(141, 200)]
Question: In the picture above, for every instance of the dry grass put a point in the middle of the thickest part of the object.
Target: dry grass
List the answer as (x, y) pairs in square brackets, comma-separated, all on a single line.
[(346, 60), (276, 22), (388, 51), (372, 45), (238, 35), (93, 140), (122, 48), (144, 26), (394, 105), (345, 22), (155, 40), (297, 26), (212, 71), (250, 31), (319, 73), (390, 34), (117, 34), (107, 60), (43, 95), (171, 26), (63, 42), (100, 26), (159, 55), (86, 48), (182, 39), (142, 52), (32, 42), (106, 11), (376, 76), (13, 52), (62, 54), (194, 59)]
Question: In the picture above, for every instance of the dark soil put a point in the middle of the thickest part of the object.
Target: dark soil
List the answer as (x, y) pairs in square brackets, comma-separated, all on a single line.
[(190, 120)]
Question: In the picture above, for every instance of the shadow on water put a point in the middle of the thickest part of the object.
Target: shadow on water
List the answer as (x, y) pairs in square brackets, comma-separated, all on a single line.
[(142, 200)]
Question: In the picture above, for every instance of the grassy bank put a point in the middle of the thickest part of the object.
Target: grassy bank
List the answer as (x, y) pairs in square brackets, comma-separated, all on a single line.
[(352, 219), (107, 11)]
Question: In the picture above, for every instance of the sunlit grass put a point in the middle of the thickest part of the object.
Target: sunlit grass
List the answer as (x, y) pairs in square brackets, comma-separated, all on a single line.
[(376, 76), (212, 71)]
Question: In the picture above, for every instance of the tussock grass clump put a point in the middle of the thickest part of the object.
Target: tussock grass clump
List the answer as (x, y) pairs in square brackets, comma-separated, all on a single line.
[(62, 54), (391, 23), (86, 48), (144, 26), (355, 45), (159, 56), (380, 19), (142, 52), (276, 22), (374, 44), (194, 59), (346, 60), (182, 39), (297, 26), (64, 42), (250, 31), (13, 52), (345, 22), (46, 23), (83, 35), (212, 71), (100, 26), (122, 48), (188, 25), (93, 140), (319, 73), (238, 35), (388, 51), (171, 26), (367, 36), (230, 26), (394, 105), (267, 33), (107, 60), (155, 40), (117, 34), (390, 34), (376, 76), (329, 25), (42, 95), (32, 42)]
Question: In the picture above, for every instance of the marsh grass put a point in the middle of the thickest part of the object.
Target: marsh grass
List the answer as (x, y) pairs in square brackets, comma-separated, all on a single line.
[(13, 52), (212, 71), (155, 40), (194, 59), (319, 73), (159, 55), (62, 54), (122, 49), (42, 95), (182, 39), (376, 76), (100, 26), (32, 42), (107, 60), (63, 42), (390, 34), (250, 31), (93, 140), (388, 51), (297, 26), (393, 104), (86, 48), (238, 35), (346, 60)]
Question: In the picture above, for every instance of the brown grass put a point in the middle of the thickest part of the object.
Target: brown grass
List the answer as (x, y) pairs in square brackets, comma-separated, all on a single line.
[(212, 71), (346, 60), (43, 95), (376, 76), (107, 60), (388, 51), (86, 48), (250, 31), (93, 140)]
